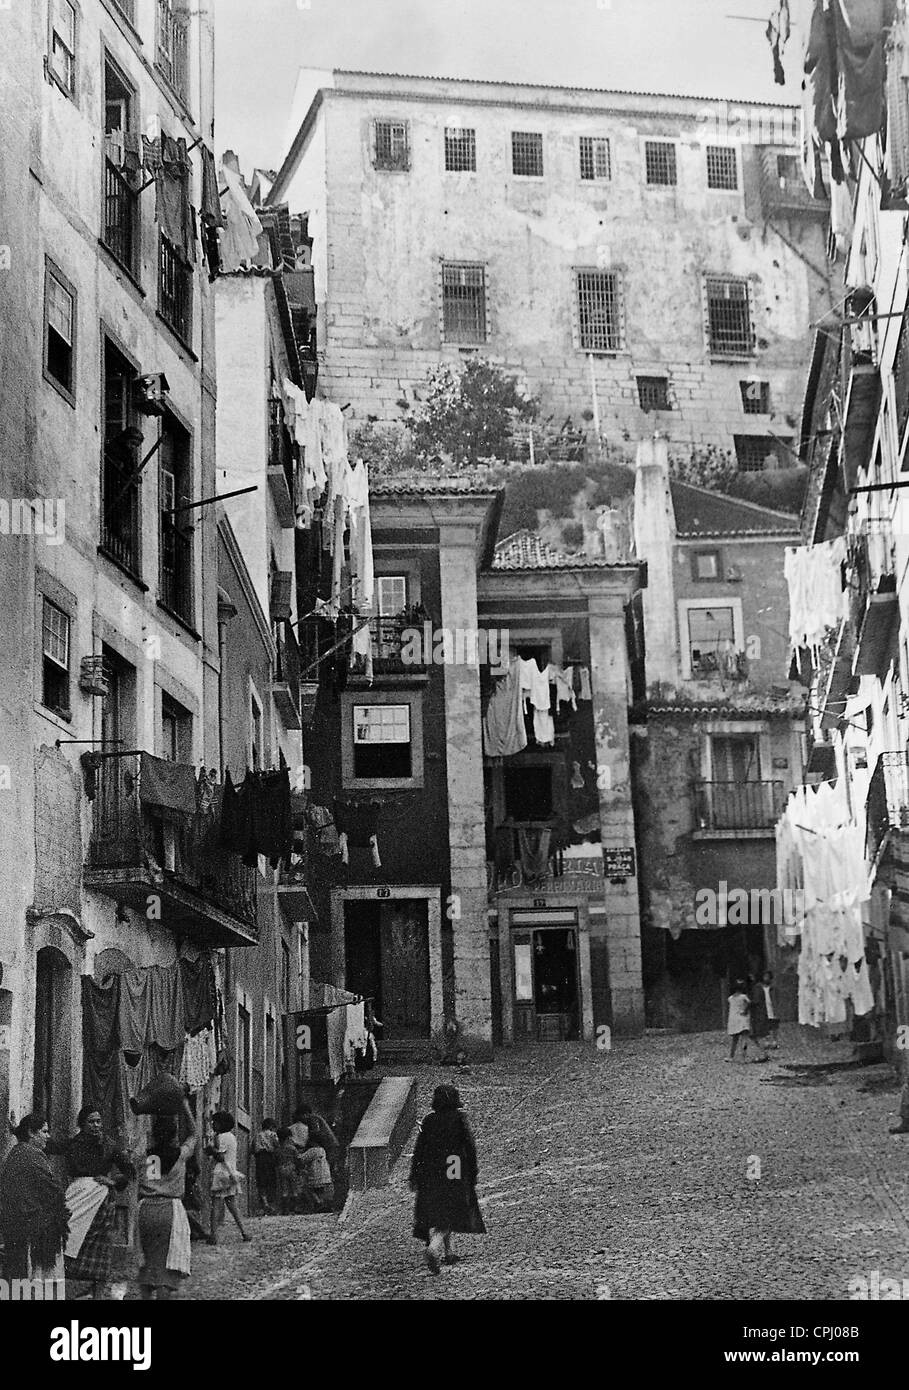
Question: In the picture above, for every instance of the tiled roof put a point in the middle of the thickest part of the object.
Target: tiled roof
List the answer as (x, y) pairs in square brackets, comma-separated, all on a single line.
[(786, 709), (526, 550), (699, 512), (430, 487)]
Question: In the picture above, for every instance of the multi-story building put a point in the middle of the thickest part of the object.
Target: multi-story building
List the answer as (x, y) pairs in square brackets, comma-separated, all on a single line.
[(718, 742), (854, 430), (626, 255), (436, 923)]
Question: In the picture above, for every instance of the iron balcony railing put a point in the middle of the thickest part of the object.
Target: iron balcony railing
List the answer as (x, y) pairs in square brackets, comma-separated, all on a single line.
[(175, 290), (120, 510), (130, 836), (395, 646), (730, 805), (120, 216), (171, 55)]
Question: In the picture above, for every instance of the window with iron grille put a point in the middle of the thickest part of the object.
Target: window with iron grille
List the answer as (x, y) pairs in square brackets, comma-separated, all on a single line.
[(391, 146), (653, 393), (61, 58), (596, 160), (755, 452), (600, 327), (55, 629), (527, 153), (120, 228), (171, 51), (660, 162), (59, 331), (728, 315), (175, 290), (120, 476), (175, 537), (755, 397), (460, 150), (722, 167), (463, 302)]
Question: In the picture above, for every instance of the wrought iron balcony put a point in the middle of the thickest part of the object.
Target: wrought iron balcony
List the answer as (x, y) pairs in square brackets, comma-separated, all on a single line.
[(175, 291), (735, 806), (121, 216), (171, 52), (293, 879), (176, 568), (206, 892)]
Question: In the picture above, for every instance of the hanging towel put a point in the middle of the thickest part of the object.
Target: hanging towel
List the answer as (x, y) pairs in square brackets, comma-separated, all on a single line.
[(336, 1033), (173, 205), (166, 785), (135, 1001)]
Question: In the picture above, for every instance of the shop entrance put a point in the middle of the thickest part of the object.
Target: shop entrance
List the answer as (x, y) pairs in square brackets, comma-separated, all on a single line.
[(387, 954), (546, 988)]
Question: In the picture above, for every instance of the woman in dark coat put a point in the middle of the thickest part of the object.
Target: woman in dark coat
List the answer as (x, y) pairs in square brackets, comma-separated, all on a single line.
[(34, 1220), (443, 1174)]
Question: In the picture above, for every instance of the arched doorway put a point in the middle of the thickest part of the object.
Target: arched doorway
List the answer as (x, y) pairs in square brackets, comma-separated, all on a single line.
[(53, 1037)]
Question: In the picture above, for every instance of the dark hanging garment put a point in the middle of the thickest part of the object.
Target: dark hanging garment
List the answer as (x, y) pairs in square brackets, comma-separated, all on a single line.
[(198, 978), (173, 206), (212, 215), (101, 1048), (778, 30), (859, 26), (821, 74), (359, 821), (340, 658), (273, 822), (167, 786), (231, 828)]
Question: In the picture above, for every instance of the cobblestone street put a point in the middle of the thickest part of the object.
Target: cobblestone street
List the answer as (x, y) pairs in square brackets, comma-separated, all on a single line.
[(626, 1175)]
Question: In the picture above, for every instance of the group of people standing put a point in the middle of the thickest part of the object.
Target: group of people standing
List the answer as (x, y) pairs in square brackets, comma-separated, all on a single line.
[(296, 1164)]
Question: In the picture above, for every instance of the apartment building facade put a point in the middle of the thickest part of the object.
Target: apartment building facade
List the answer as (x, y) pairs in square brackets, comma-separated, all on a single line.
[(558, 232)]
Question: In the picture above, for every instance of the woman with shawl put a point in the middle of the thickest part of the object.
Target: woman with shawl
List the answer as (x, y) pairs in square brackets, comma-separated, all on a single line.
[(89, 1158), (443, 1174), (34, 1219)]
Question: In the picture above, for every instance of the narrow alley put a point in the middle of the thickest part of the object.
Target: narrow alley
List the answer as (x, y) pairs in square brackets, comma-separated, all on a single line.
[(625, 1175)]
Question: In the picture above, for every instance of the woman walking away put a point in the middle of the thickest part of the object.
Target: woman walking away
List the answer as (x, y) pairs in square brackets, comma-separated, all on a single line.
[(34, 1218), (164, 1237), (443, 1174), (738, 1025), (90, 1158), (225, 1177)]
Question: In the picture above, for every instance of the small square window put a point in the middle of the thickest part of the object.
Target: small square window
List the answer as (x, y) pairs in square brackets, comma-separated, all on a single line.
[(596, 160), (755, 452), (55, 633), (660, 162), (527, 154), (600, 327), (705, 564), (391, 147), (463, 302), (62, 56), (755, 397), (653, 393), (382, 741), (60, 330), (722, 167), (460, 150)]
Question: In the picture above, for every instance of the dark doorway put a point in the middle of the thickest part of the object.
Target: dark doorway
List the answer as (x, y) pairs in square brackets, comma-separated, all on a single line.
[(53, 988), (387, 953), (555, 974)]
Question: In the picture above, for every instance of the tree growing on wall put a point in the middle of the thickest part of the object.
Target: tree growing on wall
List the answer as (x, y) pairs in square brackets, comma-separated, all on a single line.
[(470, 416)]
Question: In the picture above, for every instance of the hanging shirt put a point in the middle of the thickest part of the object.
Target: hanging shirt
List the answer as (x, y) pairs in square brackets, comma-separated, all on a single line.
[(361, 558), (242, 228), (504, 732)]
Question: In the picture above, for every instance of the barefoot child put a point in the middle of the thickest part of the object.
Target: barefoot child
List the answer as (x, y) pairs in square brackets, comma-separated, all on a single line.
[(738, 1025)]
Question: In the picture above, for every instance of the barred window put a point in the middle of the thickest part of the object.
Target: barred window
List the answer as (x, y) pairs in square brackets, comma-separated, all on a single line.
[(660, 162), (728, 316), (722, 167), (596, 160), (463, 302), (653, 393), (755, 397), (460, 150), (599, 310), (527, 153), (391, 146), (754, 452)]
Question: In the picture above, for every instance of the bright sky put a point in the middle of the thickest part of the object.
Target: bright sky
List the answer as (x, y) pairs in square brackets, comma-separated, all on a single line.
[(694, 47)]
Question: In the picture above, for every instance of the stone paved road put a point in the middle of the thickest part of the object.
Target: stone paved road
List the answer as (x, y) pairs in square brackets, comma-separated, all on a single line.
[(625, 1172)]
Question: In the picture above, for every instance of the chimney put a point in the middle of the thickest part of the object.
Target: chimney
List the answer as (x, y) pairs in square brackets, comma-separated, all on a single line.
[(654, 536)]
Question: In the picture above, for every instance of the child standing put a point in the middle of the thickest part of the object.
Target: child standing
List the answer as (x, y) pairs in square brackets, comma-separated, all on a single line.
[(225, 1177), (738, 1025), (265, 1150), (773, 1023)]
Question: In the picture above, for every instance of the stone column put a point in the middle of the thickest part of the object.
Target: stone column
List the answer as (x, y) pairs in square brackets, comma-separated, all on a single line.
[(609, 682), (467, 834), (654, 538)]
